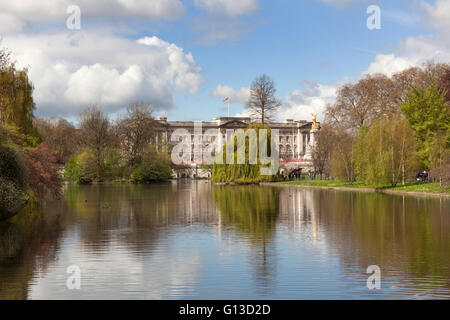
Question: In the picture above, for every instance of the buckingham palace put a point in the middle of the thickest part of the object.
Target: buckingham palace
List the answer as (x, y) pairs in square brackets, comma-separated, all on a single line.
[(294, 135)]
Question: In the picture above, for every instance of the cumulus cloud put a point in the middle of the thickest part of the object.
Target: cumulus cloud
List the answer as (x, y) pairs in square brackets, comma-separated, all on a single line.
[(10, 23), (236, 96), (437, 15), (55, 10), (313, 98), (297, 105), (413, 51), (70, 71), (389, 64), (229, 7)]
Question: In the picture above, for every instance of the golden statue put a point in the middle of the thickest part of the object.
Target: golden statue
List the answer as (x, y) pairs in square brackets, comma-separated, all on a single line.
[(314, 119)]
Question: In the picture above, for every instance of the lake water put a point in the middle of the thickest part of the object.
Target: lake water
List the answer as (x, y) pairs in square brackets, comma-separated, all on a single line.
[(194, 240)]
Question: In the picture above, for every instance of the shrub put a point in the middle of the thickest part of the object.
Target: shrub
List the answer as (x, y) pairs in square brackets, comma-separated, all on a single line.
[(44, 173), (13, 183), (150, 172), (81, 168), (12, 167)]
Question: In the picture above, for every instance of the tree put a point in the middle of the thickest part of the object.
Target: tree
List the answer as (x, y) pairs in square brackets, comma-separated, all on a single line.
[(16, 98), (262, 101), (44, 176), (385, 152), (95, 136), (249, 171), (416, 77), (136, 131), (444, 84), (359, 104), (342, 167), (5, 58), (321, 151), (60, 134), (13, 182), (428, 115)]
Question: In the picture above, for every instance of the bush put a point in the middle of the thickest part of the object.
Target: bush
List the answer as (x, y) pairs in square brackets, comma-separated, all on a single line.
[(81, 168), (13, 183), (45, 178), (151, 172), (12, 167)]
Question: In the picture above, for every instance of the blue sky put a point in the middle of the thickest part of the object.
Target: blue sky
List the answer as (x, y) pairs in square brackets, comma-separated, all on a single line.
[(191, 54)]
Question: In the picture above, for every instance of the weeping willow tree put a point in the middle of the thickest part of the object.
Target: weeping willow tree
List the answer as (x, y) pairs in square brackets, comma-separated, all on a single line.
[(248, 169), (17, 135), (252, 209), (16, 96)]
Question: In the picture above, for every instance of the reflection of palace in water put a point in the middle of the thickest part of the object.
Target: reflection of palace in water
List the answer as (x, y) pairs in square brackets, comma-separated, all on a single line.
[(298, 210), (270, 229)]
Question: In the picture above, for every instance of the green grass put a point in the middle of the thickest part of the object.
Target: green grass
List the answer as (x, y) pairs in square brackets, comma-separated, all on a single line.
[(430, 187)]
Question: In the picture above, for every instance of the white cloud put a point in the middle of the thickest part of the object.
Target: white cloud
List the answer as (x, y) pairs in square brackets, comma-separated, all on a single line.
[(236, 96), (299, 104), (414, 51), (229, 7), (337, 2), (54, 10), (389, 64), (10, 23), (70, 71), (438, 15)]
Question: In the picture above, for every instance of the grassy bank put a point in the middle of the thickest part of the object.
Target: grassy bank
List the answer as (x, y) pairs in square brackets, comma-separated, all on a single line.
[(415, 187)]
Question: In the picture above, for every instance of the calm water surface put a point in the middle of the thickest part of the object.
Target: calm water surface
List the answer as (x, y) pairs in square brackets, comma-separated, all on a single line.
[(194, 240)]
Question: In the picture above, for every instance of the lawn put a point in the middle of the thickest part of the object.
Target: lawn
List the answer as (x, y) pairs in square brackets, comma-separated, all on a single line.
[(431, 187)]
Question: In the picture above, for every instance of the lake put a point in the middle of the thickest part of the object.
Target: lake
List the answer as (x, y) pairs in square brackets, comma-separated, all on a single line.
[(195, 240)]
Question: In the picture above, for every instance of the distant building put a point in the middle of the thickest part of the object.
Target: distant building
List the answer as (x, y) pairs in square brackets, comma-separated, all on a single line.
[(294, 135)]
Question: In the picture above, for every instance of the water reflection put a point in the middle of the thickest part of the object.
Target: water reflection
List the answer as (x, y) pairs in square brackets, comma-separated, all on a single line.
[(193, 240), (253, 211)]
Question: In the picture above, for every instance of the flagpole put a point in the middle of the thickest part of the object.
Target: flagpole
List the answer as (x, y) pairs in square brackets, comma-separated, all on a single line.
[(228, 114)]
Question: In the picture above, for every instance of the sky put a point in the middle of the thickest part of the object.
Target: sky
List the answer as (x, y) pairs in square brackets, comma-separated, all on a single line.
[(184, 57)]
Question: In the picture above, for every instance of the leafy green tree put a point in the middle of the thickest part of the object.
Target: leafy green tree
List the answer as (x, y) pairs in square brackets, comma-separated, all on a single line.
[(16, 98), (81, 168), (96, 136), (342, 167), (385, 152), (428, 114), (242, 173)]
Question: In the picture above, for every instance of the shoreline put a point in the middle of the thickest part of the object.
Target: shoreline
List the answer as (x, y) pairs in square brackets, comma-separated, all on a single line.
[(366, 190)]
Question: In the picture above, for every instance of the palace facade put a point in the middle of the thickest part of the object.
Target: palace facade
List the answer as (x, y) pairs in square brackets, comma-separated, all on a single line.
[(294, 135)]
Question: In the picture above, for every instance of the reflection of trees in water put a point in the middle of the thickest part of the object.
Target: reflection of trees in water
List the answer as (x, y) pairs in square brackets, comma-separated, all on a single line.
[(29, 243), (137, 215), (406, 234), (116, 213), (253, 212)]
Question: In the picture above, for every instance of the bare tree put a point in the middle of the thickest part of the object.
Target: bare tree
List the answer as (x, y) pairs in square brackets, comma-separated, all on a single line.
[(321, 151), (137, 130), (359, 104), (5, 58), (444, 84), (95, 135), (262, 101), (60, 135)]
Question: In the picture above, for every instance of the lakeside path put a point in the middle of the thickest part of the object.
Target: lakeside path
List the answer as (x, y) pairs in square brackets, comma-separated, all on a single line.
[(356, 188)]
